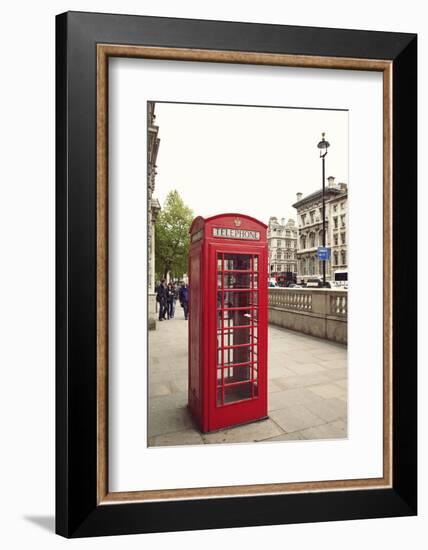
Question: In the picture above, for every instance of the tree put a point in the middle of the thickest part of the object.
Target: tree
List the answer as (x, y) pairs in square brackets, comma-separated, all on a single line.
[(172, 236)]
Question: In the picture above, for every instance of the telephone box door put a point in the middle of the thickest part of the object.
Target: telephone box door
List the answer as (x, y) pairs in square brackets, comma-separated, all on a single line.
[(238, 392)]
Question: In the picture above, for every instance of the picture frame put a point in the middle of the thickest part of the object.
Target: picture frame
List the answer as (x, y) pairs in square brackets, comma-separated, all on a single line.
[(84, 44)]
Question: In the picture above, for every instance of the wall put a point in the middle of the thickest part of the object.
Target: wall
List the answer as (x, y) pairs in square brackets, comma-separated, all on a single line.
[(316, 312), (27, 274)]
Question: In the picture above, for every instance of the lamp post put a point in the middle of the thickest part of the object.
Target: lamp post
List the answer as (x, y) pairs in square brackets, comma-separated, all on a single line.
[(323, 146)]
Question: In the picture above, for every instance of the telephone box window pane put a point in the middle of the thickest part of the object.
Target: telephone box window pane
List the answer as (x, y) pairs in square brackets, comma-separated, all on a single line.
[(218, 280), (238, 280), (237, 261), (237, 336), (238, 356), (239, 317), (237, 374), (237, 299), (238, 392), (219, 262), (256, 389), (256, 280), (255, 263)]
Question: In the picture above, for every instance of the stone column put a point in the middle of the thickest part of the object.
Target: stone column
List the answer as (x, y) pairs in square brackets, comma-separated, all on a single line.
[(154, 210)]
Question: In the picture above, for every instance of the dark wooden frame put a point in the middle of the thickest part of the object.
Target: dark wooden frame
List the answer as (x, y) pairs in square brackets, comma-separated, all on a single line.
[(84, 507)]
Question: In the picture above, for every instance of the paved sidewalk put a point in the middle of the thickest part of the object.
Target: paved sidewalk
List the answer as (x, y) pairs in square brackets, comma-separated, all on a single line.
[(307, 390)]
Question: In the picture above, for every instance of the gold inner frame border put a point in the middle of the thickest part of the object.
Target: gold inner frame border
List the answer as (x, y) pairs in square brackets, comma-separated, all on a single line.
[(104, 52)]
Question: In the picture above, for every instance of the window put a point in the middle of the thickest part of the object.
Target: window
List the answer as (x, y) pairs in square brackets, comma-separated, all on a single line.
[(336, 239), (312, 240), (343, 238), (336, 258), (335, 222), (342, 220), (335, 208), (312, 215), (303, 241), (342, 205), (343, 255)]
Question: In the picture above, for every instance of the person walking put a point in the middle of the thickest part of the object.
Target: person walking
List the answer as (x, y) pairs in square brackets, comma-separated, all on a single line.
[(161, 298), (170, 301), (173, 295), (184, 299)]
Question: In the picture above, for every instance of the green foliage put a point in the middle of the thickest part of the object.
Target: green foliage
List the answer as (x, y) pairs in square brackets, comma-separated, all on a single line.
[(172, 237)]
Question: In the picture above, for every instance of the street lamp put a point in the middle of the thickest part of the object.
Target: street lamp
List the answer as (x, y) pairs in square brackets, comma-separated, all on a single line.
[(323, 146)]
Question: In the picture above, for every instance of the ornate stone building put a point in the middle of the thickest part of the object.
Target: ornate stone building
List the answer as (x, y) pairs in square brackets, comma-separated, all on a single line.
[(309, 221), (338, 222), (282, 246), (153, 208)]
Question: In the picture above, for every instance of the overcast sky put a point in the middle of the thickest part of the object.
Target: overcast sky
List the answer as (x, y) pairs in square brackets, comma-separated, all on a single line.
[(250, 160)]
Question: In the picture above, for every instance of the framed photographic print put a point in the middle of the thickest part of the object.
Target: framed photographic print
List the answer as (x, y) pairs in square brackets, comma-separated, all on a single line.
[(236, 274)]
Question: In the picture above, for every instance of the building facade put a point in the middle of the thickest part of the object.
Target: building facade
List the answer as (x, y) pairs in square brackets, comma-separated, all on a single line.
[(310, 237), (153, 208), (282, 246), (338, 223)]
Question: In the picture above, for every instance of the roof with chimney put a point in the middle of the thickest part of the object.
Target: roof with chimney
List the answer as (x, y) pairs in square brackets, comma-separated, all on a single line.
[(329, 192)]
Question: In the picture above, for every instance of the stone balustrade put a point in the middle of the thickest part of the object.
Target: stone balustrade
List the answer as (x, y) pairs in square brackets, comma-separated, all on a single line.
[(315, 311)]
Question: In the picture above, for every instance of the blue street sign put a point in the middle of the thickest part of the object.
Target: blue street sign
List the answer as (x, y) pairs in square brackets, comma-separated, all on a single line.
[(323, 253)]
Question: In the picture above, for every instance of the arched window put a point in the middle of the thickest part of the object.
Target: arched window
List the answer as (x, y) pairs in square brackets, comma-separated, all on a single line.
[(343, 254), (312, 240), (336, 258), (303, 241)]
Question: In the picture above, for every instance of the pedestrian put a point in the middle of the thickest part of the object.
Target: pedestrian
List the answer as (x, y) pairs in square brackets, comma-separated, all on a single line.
[(184, 299), (170, 301), (161, 298), (173, 295)]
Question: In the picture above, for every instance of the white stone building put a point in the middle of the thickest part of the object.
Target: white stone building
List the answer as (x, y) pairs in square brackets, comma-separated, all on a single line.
[(309, 223), (338, 223), (282, 246), (153, 207)]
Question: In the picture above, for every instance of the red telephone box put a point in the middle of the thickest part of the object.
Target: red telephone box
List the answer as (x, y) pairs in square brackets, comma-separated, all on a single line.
[(228, 264)]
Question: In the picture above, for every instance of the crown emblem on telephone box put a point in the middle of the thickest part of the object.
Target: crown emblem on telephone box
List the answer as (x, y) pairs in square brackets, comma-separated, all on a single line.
[(238, 222)]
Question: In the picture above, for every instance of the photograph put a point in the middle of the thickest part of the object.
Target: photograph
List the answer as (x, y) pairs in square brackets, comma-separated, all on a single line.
[(248, 276)]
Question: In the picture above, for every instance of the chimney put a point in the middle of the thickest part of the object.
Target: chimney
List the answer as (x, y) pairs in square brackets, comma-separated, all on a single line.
[(299, 196), (343, 187), (330, 180)]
